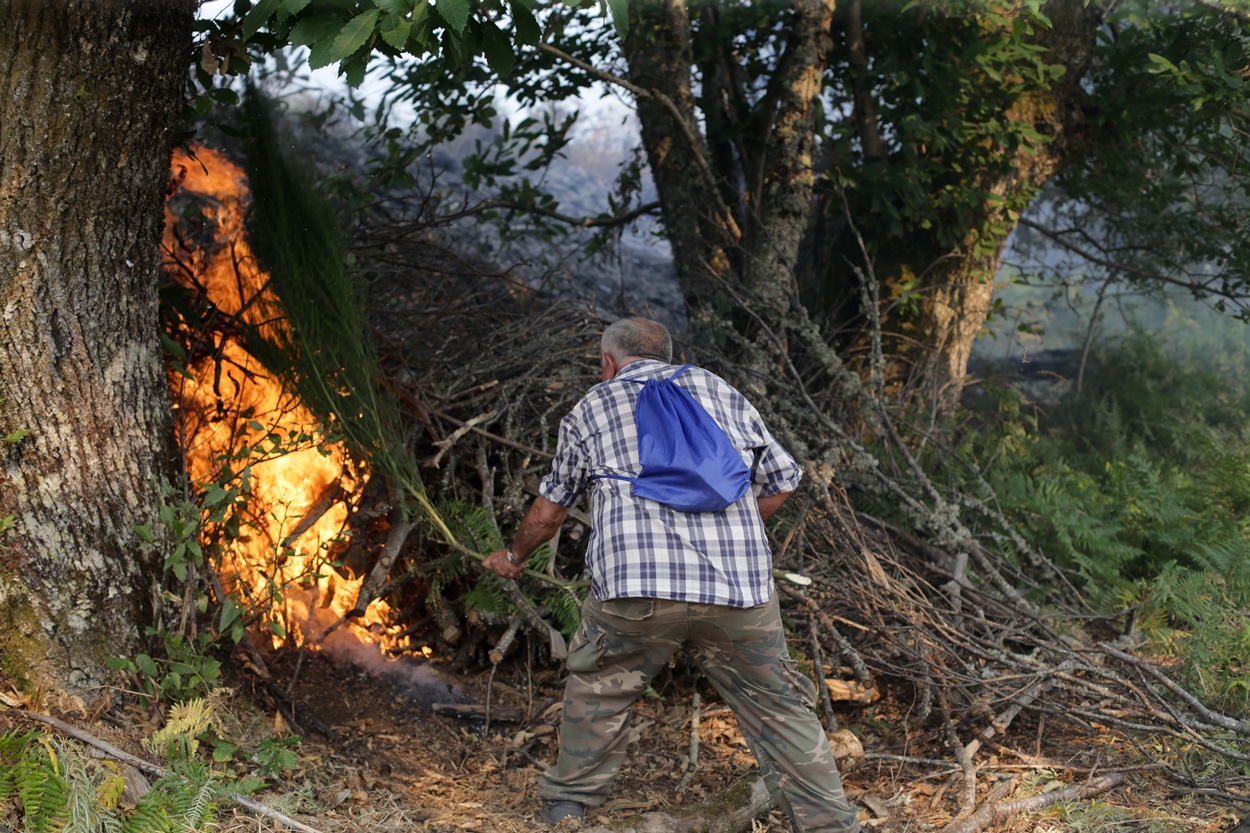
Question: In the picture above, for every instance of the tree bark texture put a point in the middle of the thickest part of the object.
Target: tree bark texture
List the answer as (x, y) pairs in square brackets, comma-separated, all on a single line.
[(779, 199), (91, 94)]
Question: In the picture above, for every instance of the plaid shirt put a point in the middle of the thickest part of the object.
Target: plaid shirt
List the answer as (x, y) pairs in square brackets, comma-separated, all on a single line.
[(641, 548)]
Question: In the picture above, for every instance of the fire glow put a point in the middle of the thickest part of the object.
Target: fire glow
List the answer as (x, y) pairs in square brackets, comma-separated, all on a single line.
[(298, 501)]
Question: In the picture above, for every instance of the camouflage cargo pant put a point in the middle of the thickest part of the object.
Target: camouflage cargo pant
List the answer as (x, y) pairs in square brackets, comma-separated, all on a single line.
[(623, 643)]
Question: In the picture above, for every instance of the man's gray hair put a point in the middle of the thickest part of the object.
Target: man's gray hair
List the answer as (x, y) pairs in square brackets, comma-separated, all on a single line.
[(639, 338)]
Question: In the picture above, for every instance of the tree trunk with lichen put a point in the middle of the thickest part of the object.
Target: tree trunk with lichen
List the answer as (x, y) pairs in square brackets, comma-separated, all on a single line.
[(960, 290), (92, 91)]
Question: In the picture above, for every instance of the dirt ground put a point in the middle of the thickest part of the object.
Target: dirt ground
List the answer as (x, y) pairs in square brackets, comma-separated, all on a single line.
[(395, 762), (389, 757)]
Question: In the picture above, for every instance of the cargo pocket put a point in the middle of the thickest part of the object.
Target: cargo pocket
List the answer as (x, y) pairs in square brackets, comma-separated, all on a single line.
[(588, 648), (635, 610), (803, 687)]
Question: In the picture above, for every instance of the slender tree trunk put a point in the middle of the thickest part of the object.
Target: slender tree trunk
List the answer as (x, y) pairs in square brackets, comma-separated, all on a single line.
[(735, 217), (697, 221), (91, 93), (781, 201)]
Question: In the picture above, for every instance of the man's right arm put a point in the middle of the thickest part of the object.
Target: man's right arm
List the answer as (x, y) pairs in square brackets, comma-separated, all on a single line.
[(548, 511), (775, 472), (540, 525)]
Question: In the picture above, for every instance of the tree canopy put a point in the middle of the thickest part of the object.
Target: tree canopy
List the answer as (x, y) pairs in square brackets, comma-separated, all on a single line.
[(806, 154)]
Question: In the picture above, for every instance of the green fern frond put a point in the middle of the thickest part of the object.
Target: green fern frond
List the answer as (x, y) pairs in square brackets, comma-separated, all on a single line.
[(473, 524), (13, 748), (488, 595), (185, 722), (566, 609), (202, 806), (42, 789), (150, 815)]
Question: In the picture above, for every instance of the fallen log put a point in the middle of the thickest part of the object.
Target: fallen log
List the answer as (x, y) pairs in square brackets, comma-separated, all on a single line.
[(992, 811), (159, 771)]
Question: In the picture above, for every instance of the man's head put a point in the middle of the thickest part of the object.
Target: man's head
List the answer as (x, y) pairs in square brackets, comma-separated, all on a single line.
[(631, 339)]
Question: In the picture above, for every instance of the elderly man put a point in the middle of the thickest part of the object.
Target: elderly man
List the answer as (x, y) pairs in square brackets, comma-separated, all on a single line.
[(663, 578)]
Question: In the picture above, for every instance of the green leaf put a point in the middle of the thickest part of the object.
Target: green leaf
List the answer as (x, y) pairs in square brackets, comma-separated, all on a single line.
[(455, 12), (172, 348), (144, 531), (1158, 63), (295, 6), (16, 436), (146, 665), (620, 15), (354, 35), (224, 95), (312, 30), (395, 31), (355, 72), (321, 54), (399, 7), (214, 495), (422, 29), (258, 16), (498, 49), (181, 370), (527, 29), (230, 613)]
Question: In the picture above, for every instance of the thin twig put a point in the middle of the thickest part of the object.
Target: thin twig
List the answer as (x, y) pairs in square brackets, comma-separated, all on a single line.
[(692, 757)]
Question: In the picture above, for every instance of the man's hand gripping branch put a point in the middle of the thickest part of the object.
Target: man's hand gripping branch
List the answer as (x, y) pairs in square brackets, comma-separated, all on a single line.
[(540, 525)]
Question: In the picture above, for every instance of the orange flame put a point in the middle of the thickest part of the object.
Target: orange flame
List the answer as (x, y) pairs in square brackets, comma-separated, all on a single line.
[(228, 402)]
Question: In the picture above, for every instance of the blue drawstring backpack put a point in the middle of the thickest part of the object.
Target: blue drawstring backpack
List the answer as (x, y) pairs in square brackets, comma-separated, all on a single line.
[(688, 463)]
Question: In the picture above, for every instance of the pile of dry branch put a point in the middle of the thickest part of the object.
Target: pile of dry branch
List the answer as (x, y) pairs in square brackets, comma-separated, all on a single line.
[(937, 616), (939, 619)]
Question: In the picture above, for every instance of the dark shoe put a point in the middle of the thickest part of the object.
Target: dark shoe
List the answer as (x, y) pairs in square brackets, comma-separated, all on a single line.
[(556, 811)]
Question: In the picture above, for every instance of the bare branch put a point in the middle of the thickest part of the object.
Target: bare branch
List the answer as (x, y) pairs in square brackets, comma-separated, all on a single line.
[(679, 121), (1106, 263)]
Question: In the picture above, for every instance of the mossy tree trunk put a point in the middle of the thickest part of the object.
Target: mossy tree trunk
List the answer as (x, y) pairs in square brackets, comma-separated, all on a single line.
[(951, 264), (91, 95), (958, 293)]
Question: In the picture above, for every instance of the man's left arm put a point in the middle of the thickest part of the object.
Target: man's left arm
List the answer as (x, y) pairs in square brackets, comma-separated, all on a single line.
[(776, 473), (770, 504)]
